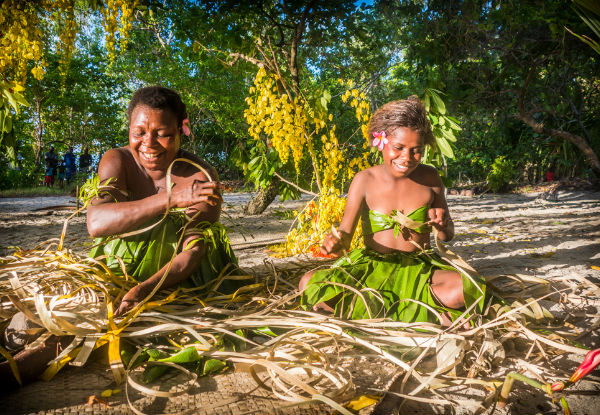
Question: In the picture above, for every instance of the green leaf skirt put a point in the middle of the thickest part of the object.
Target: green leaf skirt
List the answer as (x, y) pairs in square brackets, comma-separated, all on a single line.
[(367, 284), (146, 253)]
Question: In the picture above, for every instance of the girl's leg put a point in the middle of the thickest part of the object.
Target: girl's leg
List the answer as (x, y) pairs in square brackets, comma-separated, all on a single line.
[(447, 288), (304, 280), (302, 285)]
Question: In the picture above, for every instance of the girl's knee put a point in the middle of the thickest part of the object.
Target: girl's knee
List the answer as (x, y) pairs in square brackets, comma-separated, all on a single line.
[(447, 288), (304, 280)]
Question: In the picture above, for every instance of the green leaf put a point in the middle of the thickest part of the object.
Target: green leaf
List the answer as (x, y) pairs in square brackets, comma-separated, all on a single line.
[(426, 102), (252, 163), (213, 366), (439, 105), (153, 372), (452, 123), (7, 124), (324, 103), (448, 134), (187, 355), (11, 99), (444, 146)]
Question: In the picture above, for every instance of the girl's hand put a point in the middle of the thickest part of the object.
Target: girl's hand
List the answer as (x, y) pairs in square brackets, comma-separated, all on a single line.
[(333, 245), (438, 218), (197, 192)]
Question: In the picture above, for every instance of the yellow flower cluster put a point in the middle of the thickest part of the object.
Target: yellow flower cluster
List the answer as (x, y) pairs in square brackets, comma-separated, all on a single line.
[(317, 218), (111, 24), (67, 31), (362, 107), (284, 124), (332, 159), (314, 222), (20, 41), (127, 8), (281, 120)]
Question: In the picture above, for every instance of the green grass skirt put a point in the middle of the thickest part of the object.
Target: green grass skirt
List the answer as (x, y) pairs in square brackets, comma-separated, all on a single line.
[(146, 253), (395, 285)]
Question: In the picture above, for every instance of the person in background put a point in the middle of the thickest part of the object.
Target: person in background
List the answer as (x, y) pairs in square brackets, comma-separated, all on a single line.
[(61, 174), (85, 161), (69, 162), (49, 177), (51, 159)]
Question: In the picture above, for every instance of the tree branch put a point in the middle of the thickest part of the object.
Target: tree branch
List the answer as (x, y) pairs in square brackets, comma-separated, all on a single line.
[(308, 192)]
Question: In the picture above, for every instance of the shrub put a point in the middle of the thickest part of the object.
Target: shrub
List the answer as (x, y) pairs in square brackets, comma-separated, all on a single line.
[(502, 173)]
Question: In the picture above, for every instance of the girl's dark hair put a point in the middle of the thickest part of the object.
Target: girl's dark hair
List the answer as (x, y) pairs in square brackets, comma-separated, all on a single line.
[(159, 97), (409, 113)]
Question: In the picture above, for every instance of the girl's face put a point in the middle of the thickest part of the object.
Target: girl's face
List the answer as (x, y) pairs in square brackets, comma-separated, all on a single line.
[(154, 137), (402, 154)]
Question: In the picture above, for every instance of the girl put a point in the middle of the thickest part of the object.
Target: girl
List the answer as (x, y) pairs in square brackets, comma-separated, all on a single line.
[(396, 275)]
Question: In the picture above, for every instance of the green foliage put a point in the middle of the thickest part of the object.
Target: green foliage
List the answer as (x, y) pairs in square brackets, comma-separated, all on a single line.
[(501, 174), (589, 11), (478, 53)]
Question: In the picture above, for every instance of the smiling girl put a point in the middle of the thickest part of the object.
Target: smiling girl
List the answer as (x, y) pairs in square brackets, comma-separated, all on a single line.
[(398, 202)]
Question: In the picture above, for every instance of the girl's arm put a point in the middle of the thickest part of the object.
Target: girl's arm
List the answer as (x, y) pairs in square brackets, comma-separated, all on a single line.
[(354, 202), (439, 216)]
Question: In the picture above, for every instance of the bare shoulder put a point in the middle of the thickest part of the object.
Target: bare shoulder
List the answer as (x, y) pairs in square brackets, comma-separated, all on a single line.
[(368, 175), (114, 163), (428, 176), (190, 170)]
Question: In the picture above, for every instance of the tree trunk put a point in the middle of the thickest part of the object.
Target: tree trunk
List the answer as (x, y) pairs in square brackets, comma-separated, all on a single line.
[(263, 198)]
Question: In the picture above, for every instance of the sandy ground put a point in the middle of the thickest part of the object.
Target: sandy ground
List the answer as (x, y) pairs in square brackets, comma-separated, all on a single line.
[(497, 234)]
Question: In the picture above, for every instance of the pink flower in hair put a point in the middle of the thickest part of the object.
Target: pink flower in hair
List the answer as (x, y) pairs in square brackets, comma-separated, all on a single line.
[(185, 127), (379, 140)]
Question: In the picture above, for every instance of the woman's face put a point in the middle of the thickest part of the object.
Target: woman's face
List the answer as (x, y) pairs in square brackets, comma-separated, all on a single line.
[(402, 154), (154, 137)]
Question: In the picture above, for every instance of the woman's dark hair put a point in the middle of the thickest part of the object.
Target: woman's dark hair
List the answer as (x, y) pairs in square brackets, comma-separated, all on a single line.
[(160, 98), (409, 113)]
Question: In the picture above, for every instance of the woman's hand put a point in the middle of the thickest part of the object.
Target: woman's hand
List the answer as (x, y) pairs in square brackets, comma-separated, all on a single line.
[(132, 298), (197, 192)]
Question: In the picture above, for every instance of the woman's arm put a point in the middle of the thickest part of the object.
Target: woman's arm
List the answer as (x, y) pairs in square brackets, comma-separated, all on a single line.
[(181, 268), (104, 217)]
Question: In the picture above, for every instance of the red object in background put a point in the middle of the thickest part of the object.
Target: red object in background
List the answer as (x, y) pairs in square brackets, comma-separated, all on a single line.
[(315, 250), (549, 176)]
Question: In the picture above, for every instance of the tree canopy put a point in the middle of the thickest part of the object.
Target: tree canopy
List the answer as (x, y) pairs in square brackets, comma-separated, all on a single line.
[(519, 77)]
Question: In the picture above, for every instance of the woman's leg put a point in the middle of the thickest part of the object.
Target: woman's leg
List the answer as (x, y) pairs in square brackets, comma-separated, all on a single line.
[(31, 363)]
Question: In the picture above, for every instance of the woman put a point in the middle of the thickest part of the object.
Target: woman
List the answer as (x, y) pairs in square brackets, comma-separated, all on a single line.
[(132, 198), (137, 181)]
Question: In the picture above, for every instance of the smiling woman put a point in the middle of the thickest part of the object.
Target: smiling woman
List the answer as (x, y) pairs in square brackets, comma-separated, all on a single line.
[(137, 174), (162, 238)]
